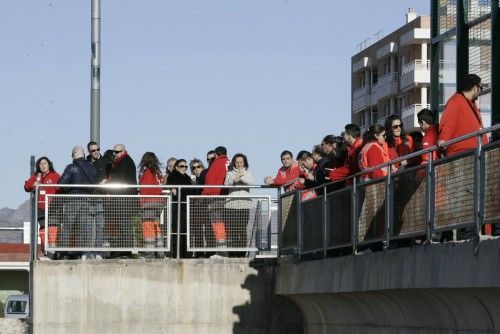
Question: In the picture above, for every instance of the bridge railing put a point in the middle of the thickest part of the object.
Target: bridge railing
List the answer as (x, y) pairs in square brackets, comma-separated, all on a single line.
[(116, 218), (418, 203)]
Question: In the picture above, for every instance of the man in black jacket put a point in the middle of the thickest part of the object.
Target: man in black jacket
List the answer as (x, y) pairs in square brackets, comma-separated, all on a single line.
[(77, 219), (124, 209)]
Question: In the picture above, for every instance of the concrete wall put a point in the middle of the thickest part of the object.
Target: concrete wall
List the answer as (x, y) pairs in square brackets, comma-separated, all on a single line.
[(153, 296), (441, 288)]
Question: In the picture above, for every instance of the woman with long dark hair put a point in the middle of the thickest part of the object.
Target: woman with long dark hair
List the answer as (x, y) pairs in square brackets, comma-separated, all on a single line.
[(150, 174), (398, 142), (44, 174)]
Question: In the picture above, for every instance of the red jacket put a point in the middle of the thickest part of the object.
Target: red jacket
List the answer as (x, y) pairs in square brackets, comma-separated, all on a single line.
[(460, 116), (285, 175), (148, 178), (351, 165), (374, 154), (216, 175), (49, 178), (429, 140)]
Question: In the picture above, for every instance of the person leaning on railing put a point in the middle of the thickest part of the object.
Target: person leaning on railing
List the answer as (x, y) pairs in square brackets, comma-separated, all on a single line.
[(461, 116), (374, 152), (426, 119), (287, 174), (44, 174), (352, 136)]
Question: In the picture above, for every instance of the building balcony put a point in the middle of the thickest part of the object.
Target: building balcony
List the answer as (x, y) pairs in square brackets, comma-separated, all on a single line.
[(415, 73), (381, 120), (387, 50), (361, 64), (415, 36), (387, 85), (361, 98), (409, 115)]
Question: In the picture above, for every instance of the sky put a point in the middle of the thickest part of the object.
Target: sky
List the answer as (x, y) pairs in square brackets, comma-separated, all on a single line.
[(179, 78)]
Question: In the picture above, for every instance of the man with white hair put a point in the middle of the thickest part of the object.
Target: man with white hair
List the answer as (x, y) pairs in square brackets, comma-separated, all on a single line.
[(123, 210), (76, 216)]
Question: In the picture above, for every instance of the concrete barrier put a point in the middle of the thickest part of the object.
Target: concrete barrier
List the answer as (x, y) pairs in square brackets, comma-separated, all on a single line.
[(441, 288), (153, 296)]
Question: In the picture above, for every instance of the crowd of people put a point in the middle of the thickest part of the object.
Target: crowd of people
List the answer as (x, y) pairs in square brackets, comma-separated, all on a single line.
[(335, 159)]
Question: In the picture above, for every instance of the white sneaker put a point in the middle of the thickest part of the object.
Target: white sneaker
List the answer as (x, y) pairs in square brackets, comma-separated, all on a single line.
[(44, 258), (98, 257)]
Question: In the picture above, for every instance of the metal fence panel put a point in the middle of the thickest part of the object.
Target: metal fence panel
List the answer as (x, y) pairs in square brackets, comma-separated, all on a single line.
[(312, 227), (231, 223), (454, 192), (106, 223), (339, 220), (371, 211), (289, 221), (492, 185), (409, 216)]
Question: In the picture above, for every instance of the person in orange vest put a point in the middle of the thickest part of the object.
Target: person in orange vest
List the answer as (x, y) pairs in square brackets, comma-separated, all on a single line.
[(461, 116), (375, 152), (44, 174), (287, 174), (150, 174)]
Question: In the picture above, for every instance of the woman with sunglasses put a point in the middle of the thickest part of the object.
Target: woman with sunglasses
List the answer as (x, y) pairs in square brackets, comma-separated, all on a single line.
[(374, 153), (179, 177), (399, 143)]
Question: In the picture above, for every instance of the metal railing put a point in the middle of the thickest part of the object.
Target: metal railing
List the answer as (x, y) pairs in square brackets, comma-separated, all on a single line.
[(115, 218), (416, 65), (457, 192)]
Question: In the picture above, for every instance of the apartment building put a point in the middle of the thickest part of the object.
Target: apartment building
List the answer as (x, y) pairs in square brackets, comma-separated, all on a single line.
[(392, 75)]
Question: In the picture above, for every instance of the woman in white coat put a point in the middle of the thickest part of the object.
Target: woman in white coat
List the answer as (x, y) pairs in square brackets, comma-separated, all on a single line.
[(237, 210)]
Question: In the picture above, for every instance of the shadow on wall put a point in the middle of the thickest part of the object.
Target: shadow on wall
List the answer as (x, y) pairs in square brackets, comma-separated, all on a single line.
[(266, 312)]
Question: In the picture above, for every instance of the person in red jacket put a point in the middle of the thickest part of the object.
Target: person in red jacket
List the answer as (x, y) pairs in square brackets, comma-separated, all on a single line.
[(398, 142), (375, 152), (44, 174), (354, 144), (427, 124), (216, 176), (462, 116), (287, 174), (150, 174)]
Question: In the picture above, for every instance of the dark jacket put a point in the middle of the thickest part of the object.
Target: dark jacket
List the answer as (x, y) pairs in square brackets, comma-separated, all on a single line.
[(123, 172), (80, 171), (103, 165), (176, 178)]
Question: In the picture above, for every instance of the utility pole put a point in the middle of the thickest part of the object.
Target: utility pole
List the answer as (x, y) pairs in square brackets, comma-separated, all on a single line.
[(95, 72)]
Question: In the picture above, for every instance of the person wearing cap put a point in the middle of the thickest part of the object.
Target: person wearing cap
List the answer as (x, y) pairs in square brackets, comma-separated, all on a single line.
[(462, 116), (76, 216)]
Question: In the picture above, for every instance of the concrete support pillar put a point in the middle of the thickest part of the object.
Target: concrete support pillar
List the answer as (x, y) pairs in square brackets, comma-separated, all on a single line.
[(392, 105), (392, 63), (423, 52), (367, 77), (423, 96)]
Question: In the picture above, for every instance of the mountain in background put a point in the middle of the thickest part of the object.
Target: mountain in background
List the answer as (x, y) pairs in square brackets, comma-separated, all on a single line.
[(15, 217)]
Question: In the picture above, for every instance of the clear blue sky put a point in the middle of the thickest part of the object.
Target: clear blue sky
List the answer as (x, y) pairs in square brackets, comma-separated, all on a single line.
[(180, 77)]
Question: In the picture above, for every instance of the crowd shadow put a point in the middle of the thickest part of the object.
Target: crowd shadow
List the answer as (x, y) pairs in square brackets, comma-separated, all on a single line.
[(266, 312)]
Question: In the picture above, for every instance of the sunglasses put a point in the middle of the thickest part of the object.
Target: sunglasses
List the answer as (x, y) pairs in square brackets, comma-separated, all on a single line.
[(396, 126), (196, 167), (480, 88), (182, 166), (95, 150), (117, 152)]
